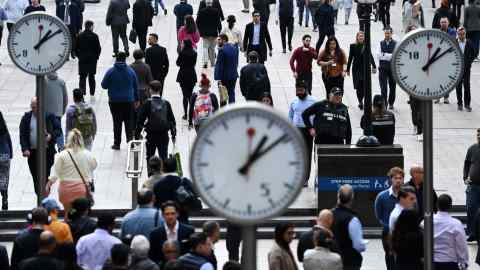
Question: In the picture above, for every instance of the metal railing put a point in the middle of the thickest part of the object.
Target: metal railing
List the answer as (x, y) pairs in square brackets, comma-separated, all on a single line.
[(134, 167)]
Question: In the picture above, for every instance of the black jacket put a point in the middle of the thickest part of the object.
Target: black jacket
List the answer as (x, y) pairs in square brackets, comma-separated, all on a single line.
[(186, 61), (88, 51), (54, 128), (142, 15), (325, 19), (157, 58), (117, 12), (82, 226), (181, 10), (383, 127), (249, 86), (4, 263), (444, 12), (419, 194), (215, 4), (355, 57), (264, 40), (159, 236), (208, 22), (468, 54), (25, 246), (42, 261), (144, 115)]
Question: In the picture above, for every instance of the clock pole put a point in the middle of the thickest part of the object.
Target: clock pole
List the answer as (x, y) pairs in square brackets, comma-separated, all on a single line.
[(41, 138), (249, 249), (367, 76), (428, 183)]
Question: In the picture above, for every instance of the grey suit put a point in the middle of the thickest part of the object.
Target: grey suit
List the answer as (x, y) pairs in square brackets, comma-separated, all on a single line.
[(117, 18)]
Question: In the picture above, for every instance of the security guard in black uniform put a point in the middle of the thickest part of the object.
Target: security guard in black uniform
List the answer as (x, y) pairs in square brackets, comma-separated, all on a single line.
[(331, 124), (383, 122)]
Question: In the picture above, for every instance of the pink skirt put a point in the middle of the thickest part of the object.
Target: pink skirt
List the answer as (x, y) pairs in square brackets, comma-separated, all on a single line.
[(68, 191)]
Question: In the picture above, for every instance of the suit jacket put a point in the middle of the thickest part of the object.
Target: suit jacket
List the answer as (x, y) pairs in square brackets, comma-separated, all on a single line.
[(227, 63), (142, 15), (215, 4), (279, 259), (264, 39), (209, 22), (156, 57), (355, 56), (468, 54), (159, 236), (54, 128), (117, 12)]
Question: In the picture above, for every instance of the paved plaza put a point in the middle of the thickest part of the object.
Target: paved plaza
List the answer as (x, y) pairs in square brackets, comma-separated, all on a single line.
[(453, 131)]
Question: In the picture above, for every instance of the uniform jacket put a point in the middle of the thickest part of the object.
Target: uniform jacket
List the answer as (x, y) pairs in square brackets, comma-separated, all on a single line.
[(142, 15), (117, 12), (264, 39), (159, 236), (209, 22), (156, 57), (227, 63), (279, 259), (383, 127), (88, 51), (54, 128)]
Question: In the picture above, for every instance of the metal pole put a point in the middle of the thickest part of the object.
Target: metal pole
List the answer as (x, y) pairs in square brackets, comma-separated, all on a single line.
[(41, 138), (135, 179), (367, 79), (428, 184), (249, 249)]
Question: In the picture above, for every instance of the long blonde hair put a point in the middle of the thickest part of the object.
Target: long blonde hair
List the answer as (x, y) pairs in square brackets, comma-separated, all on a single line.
[(75, 140)]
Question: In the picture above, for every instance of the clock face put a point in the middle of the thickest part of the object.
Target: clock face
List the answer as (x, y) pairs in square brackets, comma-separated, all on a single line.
[(248, 163), (39, 43), (427, 64)]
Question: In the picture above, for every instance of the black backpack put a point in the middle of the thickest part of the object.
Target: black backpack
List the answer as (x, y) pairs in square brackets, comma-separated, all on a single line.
[(158, 120)]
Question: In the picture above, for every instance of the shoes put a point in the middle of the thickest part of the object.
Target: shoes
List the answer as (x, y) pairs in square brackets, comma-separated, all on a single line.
[(437, 101), (390, 107), (420, 137), (116, 147), (346, 23), (165, 12), (446, 101), (468, 108), (184, 117), (305, 185), (245, 11), (114, 55), (290, 47), (460, 107), (306, 25), (360, 106), (284, 51)]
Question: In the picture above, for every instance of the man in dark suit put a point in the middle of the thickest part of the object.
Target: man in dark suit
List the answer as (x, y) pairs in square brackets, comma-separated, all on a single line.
[(227, 65), (257, 37), (157, 58), (142, 19), (88, 51), (263, 7), (170, 230), (468, 50)]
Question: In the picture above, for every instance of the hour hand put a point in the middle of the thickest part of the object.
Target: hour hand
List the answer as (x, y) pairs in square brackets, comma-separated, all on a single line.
[(430, 61), (253, 157), (45, 38)]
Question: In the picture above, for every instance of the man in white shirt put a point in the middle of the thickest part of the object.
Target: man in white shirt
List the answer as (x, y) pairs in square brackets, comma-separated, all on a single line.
[(407, 199), (450, 243), (385, 76)]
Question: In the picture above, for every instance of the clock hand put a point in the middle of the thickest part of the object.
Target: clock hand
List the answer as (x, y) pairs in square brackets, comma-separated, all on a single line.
[(256, 155), (252, 157), (429, 62), (46, 38), (37, 46), (442, 54)]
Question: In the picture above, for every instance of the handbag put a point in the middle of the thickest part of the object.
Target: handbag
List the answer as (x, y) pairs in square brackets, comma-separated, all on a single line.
[(87, 187), (223, 93), (133, 36)]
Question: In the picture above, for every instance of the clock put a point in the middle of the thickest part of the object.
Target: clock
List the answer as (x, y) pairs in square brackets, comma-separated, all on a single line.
[(39, 43), (427, 64), (248, 163)]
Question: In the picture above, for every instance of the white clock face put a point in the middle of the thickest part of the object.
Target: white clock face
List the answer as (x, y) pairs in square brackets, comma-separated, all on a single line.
[(39, 43), (248, 163), (427, 64)]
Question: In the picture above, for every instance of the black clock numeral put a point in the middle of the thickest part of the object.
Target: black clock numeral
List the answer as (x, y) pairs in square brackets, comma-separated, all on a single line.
[(451, 77), (270, 124), (17, 55), (24, 53), (414, 55), (266, 189), (428, 91), (247, 118), (294, 163)]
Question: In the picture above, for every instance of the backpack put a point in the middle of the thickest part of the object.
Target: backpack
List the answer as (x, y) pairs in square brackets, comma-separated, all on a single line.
[(202, 108), (84, 121), (186, 197), (158, 120), (260, 82)]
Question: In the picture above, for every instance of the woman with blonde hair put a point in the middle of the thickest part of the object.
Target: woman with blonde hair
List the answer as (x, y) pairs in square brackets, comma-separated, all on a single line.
[(73, 168)]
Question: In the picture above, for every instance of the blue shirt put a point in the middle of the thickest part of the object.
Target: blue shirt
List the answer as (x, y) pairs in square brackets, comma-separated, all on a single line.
[(141, 221), (296, 109), (256, 34), (384, 204), (356, 234)]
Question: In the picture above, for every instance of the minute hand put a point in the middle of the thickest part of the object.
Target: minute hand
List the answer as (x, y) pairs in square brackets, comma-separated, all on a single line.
[(47, 36), (433, 60)]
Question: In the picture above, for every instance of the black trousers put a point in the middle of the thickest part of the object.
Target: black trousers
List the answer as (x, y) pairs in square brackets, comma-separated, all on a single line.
[(157, 141), (119, 31), (91, 83), (73, 36), (384, 13), (309, 144), (286, 24), (122, 113), (456, 9), (142, 37), (32, 166), (307, 78), (187, 90), (360, 93), (387, 82), (466, 88), (445, 266), (233, 239), (331, 82), (417, 114), (389, 258), (321, 37)]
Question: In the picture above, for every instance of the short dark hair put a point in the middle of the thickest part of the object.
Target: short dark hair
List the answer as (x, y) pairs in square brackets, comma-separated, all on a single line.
[(306, 36), (223, 37), (197, 239), (138, 54), (88, 24), (39, 215), (253, 57), (119, 254), (209, 227), (144, 197), (232, 265), (170, 165), (444, 202), (105, 220), (121, 57), (321, 238), (77, 95), (169, 204), (154, 35), (155, 164), (388, 28), (156, 86), (404, 190)]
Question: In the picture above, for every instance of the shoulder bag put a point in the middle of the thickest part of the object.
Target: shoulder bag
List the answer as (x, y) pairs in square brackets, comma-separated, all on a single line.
[(89, 195)]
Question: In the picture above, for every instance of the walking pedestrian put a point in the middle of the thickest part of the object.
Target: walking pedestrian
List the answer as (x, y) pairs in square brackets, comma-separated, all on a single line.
[(209, 25), (471, 178), (117, 19), (202, 105), (233, 33), (301, 62), (73, 168), (348, 230), (297, 107), (212, 230), (254, 79), (29, 142), (356, 60), (471, 24), (162, 5), (444, 11), (14, 11), (70, 12), (332, 59), (142, 19), (321, 257), (468, 51), (121, 83), (56, 101), (384, 12), (384, 204), (416, 181), (456, 7), (144, 75), (406, 232), (280, 256), (189, 31), (331, 122), (385, 76), (158, 113), (197, 258), (313, 6), (412, 14), (263, 8), (303, 9), (181, 10), (6, 154), (88, 51), (34, 6), (226, 67), (81, 116), (257, 38), (187, 76), (157, 58), (325, 19), (215, 3), (285, 17), (382, 122), (139, 249), (347, 5)]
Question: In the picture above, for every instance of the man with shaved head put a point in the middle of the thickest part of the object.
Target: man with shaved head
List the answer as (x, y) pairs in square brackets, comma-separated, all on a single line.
[(348, 230), (324, 221), (416, 172), (44, 258)]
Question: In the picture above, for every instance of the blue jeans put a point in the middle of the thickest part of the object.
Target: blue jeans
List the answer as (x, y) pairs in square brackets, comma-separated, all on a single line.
[(302, 9), (59, 141), (473, 203), (230, 85), (155, 5)]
